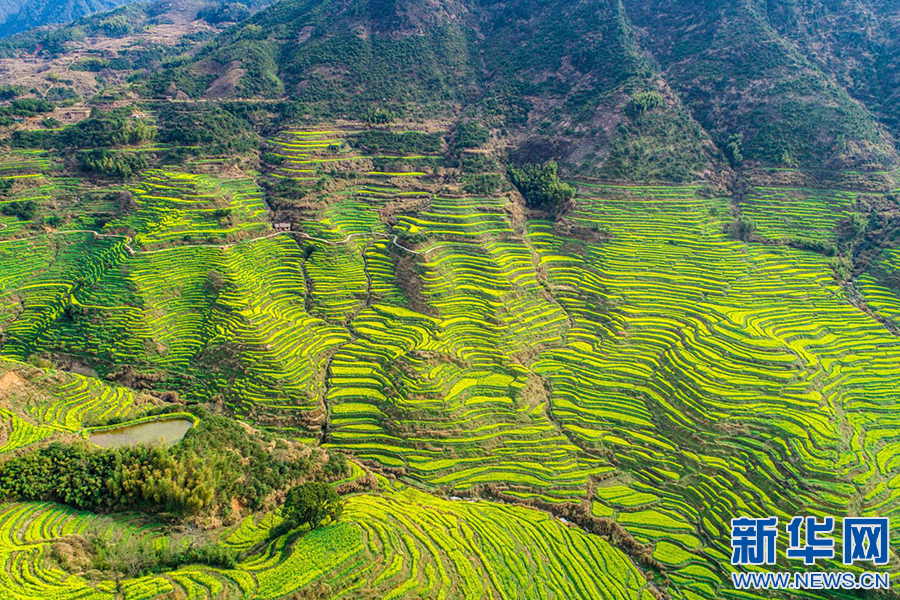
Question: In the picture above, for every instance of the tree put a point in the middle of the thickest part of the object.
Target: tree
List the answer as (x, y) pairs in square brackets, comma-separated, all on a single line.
[(642, 103), (228, 12), (117, 164), (733, 149), (312, 502), (541, 186), (742, 228), (470, 135), (23, 209)]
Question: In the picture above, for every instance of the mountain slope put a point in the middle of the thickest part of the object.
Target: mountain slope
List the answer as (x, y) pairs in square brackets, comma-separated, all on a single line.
[(579, 67), (335, 50), (21, 15), (529, 69), (626, 89), (857, 41), (741, 78)]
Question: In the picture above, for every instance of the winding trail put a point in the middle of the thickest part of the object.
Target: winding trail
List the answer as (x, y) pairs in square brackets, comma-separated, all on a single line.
[(233, 244), (68, 231), (378, 235)]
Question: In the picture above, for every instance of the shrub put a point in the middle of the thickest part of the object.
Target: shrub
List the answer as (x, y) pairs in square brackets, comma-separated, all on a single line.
[(135, 556), (482, 184), (408, 142), (7, 92), (733, 149), (91, 64), (272, 159), (478, 163), (742, 228), (379, 116)]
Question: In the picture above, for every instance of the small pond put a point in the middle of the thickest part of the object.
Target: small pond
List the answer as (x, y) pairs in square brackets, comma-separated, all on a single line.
[(166, 433)]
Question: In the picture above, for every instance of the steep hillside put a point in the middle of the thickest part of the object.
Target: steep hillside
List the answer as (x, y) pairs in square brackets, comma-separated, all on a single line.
[(747, 84), (571, 80), (529, 69), (627, 89), (857, 41), (19, 15), (336, 50)]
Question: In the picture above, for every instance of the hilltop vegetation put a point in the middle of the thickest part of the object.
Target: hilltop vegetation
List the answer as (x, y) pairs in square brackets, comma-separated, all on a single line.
[(560, 80), (738, 77)]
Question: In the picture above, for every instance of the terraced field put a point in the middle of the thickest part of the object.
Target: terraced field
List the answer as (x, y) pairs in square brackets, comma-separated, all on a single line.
[(803, 215), (630, 358), (879, 286), (401, 543), (307, 155)]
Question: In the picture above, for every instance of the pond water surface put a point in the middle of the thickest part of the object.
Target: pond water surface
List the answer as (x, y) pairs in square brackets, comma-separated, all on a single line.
[(166, 433)]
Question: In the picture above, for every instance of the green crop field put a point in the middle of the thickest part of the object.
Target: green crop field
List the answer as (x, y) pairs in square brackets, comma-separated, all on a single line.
[(533, 407), (802, 215)]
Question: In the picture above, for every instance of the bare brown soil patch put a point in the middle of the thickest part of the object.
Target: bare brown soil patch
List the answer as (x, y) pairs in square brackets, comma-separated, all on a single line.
[(226, 84), (10, 383)]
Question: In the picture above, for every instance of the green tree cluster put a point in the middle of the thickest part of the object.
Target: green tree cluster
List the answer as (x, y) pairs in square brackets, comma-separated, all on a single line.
[(379, 115), (206, 130), (91, 64), (23, 209), (311, 503), (103, 129), (116, 26), (137, 556), (470, 135), (733, 149), (407, 142), (8, 92), (742, 228), (139, 478), (541, 186), (642, 103), (26, 107), (218, 461), (227, 12), (483, 184), (118, 164)]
